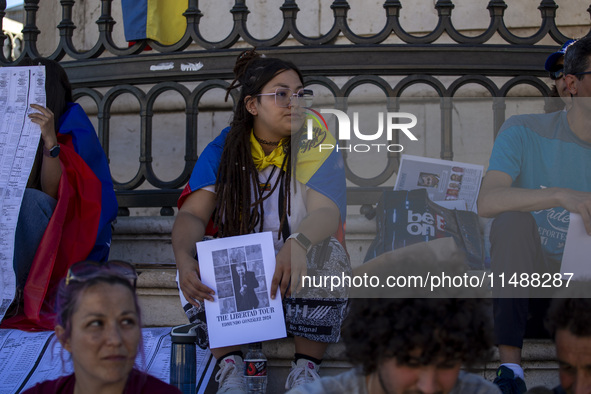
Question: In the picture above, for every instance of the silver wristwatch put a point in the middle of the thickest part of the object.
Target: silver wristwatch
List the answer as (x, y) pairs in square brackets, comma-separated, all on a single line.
[(302, 240)]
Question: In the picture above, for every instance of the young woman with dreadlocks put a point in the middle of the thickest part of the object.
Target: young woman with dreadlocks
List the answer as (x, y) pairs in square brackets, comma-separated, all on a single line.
[(239, 183)]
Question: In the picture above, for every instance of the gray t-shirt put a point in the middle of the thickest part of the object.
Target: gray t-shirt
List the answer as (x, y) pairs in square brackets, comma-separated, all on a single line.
[(353, 382)]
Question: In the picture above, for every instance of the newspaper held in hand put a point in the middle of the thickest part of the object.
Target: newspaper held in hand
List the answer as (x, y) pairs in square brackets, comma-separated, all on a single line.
[(240, 269), (452, 184)]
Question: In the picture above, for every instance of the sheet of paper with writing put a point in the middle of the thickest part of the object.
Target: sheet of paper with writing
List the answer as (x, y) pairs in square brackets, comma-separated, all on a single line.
[(28, 358), (240, 269), (19, 138)]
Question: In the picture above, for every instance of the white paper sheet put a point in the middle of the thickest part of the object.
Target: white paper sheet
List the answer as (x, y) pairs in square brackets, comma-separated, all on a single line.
[(577, 249), (19, 138), (21, 353), (27, 358), (444, 180), (230, 321)]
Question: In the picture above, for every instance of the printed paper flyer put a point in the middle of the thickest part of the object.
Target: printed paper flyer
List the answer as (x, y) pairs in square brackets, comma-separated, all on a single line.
[(240, 270), (444, 180)]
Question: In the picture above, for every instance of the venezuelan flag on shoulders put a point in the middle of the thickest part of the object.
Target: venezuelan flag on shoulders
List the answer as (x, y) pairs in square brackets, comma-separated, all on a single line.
[(80, 226), (321, 170), (158, 20)]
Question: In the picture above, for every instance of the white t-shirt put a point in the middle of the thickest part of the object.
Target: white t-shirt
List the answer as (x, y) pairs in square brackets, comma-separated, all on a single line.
[(271, 204)]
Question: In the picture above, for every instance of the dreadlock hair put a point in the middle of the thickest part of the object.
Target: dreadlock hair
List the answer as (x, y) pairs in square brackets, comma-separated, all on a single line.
[(237, 176)]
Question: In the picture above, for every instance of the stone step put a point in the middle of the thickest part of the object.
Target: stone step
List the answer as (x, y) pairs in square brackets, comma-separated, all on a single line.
[(146, 239), (146, 242), (161, 307)]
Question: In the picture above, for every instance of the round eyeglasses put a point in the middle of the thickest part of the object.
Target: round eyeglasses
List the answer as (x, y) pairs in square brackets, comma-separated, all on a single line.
[(284, 97)]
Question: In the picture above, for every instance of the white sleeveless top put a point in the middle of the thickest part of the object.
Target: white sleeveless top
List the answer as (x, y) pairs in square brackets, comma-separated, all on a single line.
[(271, 205)]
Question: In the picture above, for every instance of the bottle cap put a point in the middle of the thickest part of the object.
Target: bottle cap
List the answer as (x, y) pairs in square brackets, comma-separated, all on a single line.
[(184, 334)]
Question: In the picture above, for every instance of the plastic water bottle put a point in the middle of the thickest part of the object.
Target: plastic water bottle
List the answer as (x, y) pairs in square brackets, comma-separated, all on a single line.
[(255, 369), (183, 367)]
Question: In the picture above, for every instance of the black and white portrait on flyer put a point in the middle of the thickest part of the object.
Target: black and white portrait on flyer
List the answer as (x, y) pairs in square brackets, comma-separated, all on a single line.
[(240, 269)]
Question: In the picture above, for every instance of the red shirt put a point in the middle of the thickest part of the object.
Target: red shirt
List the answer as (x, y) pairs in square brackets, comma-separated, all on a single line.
[(138, 383)]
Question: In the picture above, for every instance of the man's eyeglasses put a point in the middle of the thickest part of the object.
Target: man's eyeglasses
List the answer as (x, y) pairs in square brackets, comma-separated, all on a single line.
[(554, 75), (87, 270), (284, 97)]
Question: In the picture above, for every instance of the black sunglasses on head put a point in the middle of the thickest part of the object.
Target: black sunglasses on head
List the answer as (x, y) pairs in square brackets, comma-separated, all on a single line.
[(87, 270), (554, 75)]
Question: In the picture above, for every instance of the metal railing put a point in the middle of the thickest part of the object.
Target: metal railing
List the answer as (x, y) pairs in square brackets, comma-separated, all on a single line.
[(340, 52)]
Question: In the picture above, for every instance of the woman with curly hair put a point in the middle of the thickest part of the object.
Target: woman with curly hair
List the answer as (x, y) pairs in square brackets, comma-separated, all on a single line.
[(256, 177)]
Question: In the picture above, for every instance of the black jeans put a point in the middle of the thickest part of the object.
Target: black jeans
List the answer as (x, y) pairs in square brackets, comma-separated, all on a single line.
[(516, 248)]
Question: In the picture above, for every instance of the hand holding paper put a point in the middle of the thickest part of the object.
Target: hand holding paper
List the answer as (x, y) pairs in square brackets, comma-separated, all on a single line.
[(577, 202), (240, 269), (577, 249), (190, 282), (291, 266)]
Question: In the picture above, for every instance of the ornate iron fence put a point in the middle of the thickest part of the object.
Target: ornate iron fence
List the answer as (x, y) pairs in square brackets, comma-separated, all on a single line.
[(340, 52)]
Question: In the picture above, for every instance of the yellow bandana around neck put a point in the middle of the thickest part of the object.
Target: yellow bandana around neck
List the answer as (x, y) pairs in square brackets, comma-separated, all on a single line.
[(258, 155)]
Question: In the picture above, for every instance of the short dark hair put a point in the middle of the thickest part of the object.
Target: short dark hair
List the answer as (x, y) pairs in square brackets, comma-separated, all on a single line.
[(445, 329), (576, 58), (571, 310)]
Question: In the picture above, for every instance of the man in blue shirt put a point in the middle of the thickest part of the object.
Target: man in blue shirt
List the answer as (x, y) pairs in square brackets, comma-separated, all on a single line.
[(539, 172)]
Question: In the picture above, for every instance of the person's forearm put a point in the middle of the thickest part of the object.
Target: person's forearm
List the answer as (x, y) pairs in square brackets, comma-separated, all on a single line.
[(51, 172), (187, 230), (319, 224), (494, 201)]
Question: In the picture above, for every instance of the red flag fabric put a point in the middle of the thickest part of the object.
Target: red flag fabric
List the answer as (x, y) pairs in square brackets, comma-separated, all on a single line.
[(69, 238)]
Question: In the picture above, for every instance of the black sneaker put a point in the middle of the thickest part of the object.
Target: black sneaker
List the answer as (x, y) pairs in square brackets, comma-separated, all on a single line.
[(508, 382)]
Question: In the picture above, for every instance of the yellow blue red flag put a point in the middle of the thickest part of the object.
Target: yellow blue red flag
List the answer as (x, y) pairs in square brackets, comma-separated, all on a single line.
[(158, 20)]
